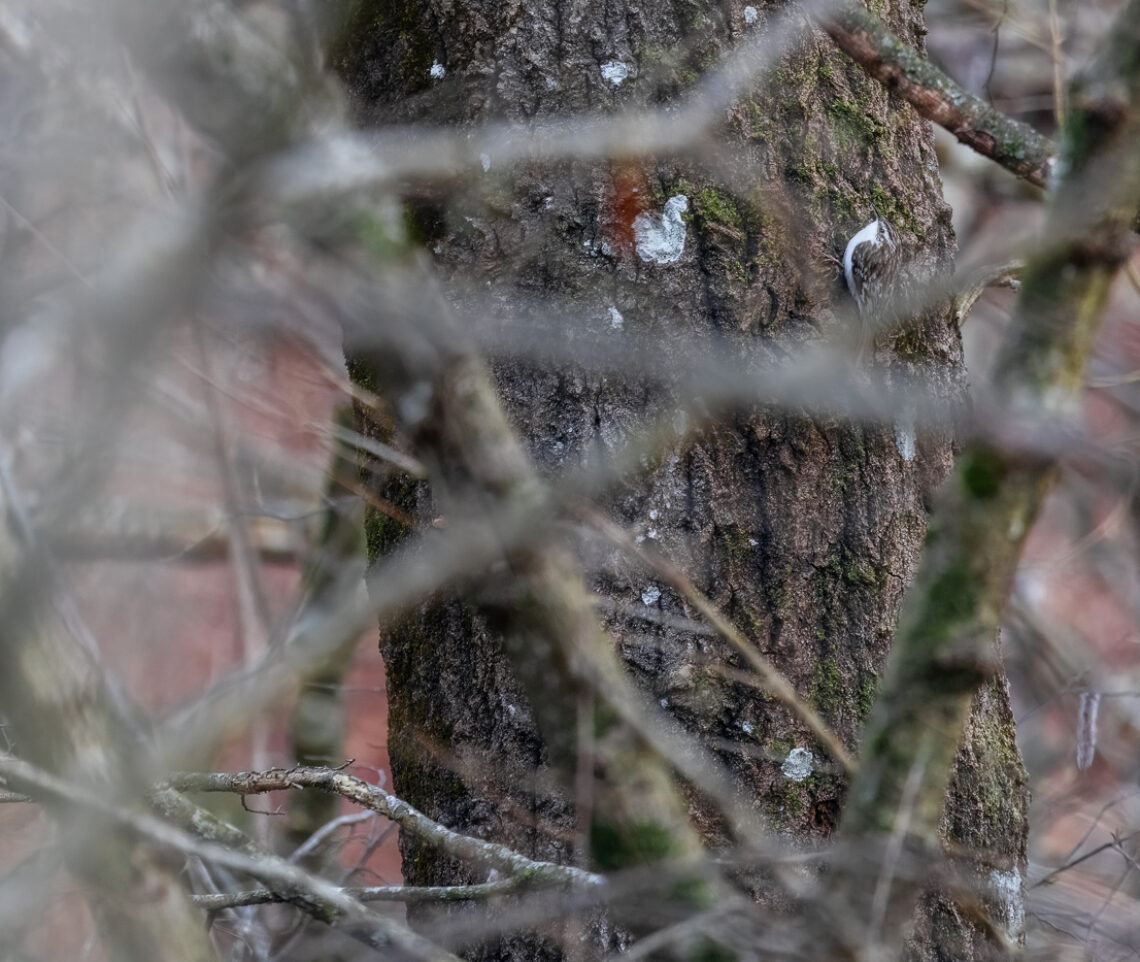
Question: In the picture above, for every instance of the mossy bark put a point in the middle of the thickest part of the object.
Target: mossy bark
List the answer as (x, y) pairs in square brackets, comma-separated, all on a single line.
[(805, 530)]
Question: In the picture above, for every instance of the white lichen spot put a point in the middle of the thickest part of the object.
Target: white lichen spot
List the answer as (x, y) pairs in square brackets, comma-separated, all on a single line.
[(413, 404), (511, 710), (485, 160), (437, 70), (1032, 586), (750, 15), (606, 249), (904, 439), (1087, 728), (746, 727), (639, 539), (616, 320), (1055, 399), (650, 595), (31, 355), (651, 534), (615, 72), (19, 32), (664, 703), (798, 765), (557, 447), (752, 542), (662, 238), (1055, 171), (653, 514), (1007, 892)]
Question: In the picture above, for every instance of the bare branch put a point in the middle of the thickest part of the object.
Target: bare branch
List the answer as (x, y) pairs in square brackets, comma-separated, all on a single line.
[(898, 67), (377, 893), (377, 800), (379, 931)]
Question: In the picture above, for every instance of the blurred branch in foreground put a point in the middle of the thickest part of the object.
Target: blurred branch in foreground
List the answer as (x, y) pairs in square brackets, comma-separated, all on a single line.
[(640, 519), (945, 652)]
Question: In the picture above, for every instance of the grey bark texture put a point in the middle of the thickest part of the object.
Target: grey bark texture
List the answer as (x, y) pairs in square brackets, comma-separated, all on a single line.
[(804, 530)]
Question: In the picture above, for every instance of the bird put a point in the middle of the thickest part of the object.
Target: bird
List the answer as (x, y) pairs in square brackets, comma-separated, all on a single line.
[(870, 267)]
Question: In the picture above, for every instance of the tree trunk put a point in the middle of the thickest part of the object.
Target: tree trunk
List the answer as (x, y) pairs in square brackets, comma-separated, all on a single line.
[(805, 530)]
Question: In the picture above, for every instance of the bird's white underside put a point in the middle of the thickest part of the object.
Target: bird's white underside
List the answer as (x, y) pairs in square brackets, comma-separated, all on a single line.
[(869, 234)]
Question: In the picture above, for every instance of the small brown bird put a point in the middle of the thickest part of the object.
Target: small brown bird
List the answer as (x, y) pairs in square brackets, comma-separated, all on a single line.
[(870, 266)]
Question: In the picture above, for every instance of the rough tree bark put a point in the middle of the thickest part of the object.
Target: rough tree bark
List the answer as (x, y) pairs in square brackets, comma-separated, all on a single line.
[(806, 531)]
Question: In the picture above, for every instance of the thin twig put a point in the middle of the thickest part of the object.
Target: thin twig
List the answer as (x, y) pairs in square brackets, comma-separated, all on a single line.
[(1058, 59), (318, 837), (1073, 863)]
